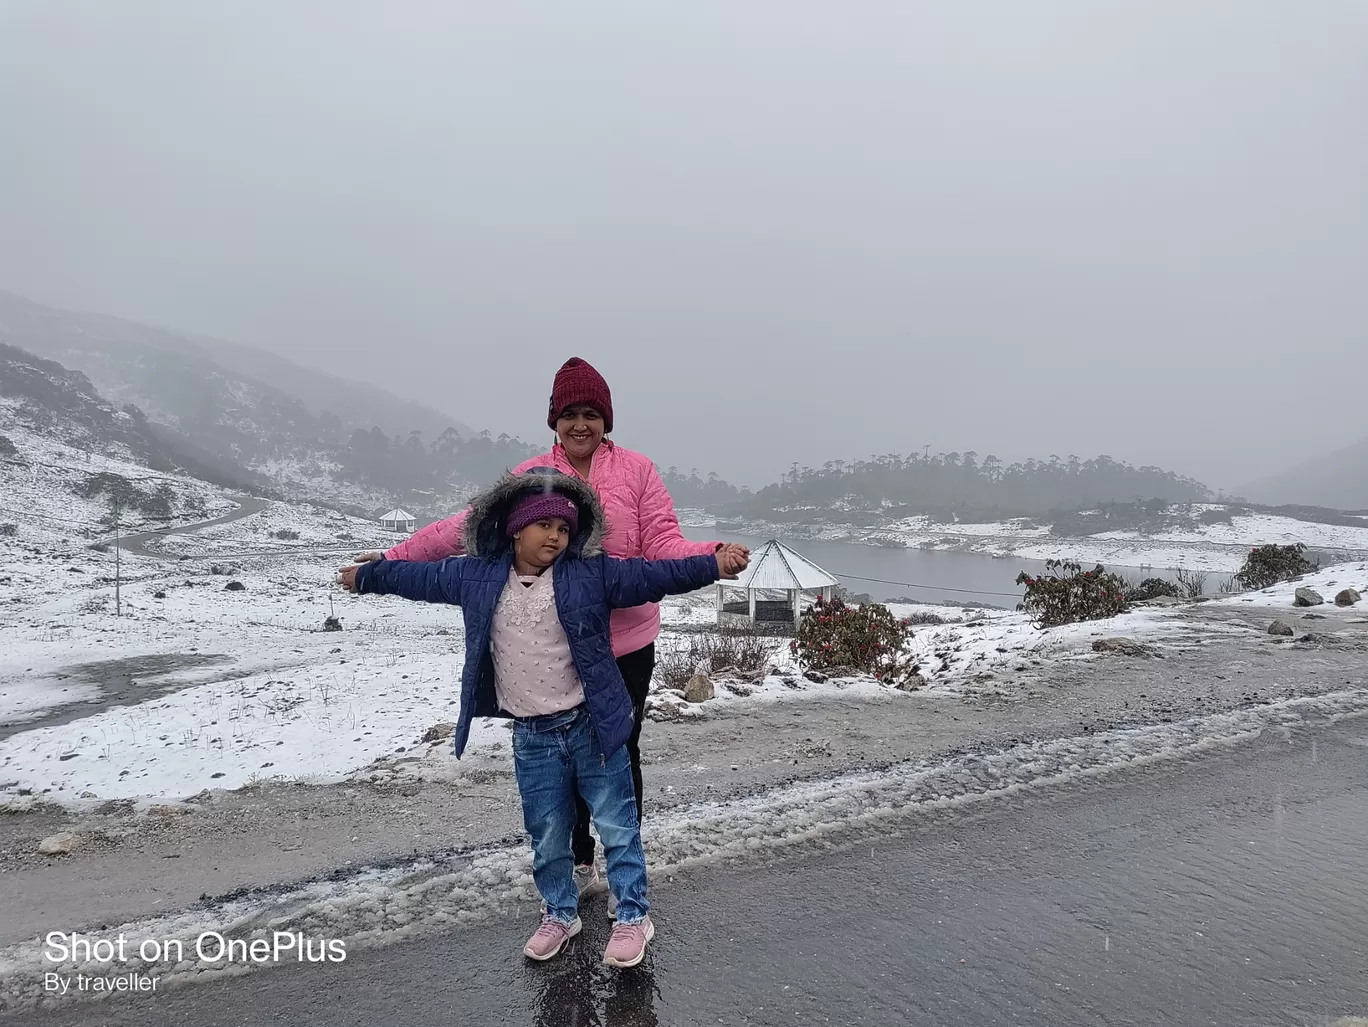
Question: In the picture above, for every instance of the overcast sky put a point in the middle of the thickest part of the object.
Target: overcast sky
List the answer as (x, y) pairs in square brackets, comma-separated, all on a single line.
[(783, 229)]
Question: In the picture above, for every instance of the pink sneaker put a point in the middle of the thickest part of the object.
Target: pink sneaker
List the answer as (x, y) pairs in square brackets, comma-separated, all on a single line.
[(627, 946), (551, 938)]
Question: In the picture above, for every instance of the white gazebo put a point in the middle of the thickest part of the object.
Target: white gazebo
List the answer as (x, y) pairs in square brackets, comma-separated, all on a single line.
[(398, 520), (774, 568)]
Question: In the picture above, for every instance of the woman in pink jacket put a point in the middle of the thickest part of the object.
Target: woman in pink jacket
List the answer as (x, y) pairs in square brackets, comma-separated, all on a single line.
[(641, 522)]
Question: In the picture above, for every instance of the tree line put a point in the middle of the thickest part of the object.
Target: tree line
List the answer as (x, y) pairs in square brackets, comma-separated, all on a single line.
[(945, 485), (401, 463)]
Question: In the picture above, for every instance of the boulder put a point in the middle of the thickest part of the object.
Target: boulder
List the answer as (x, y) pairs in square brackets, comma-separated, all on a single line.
[(1164, 601), (235, 586), (59, 844), (1349, 597), (911, 683), (699, 689), (438, 732), (1122, 647), (1307, 597), (1281, 628)]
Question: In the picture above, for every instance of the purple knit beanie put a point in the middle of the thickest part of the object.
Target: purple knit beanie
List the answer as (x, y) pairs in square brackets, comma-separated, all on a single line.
[(537, 506)]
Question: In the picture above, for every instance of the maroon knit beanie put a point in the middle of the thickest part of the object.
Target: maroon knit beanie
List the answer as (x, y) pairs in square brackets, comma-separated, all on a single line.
[(537, 506), (577, 382)]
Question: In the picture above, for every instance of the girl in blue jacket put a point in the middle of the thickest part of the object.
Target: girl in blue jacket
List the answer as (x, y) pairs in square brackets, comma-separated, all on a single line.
[(536, 590)]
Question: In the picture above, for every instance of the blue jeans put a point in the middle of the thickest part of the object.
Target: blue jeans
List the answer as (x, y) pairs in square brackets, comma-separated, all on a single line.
[(557, 756)]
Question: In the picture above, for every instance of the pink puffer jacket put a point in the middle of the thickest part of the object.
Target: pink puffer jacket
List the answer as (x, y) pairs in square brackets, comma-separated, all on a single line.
[(640, 519)]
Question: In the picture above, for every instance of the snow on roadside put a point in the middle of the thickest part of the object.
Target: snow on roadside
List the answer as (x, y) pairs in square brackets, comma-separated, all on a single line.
[(377, 906), (1328, 581), (971, 642), (315, 724)]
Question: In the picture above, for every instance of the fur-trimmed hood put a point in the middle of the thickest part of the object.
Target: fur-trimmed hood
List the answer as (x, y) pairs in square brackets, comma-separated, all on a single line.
[(483, 533)]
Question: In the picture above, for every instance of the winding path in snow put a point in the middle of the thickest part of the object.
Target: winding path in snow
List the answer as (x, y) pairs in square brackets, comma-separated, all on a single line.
[(137, 544)]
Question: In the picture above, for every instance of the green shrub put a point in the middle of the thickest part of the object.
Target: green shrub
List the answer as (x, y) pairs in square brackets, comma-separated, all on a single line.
[(288, 534), (123, 493), (866, 638), (1068, 594), (1265, 566), (1152, 588), (924, 617), (9, 530)]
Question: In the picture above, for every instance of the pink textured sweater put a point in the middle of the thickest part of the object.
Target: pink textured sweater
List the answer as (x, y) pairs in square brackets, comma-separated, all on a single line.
[(641, 522), (534, 672)]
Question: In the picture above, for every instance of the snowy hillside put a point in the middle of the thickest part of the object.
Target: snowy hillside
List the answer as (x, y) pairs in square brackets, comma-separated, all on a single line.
[(209, 388), (241, 414)]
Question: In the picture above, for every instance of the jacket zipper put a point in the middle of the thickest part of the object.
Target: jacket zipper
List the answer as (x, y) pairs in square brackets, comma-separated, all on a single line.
[(603, 758)]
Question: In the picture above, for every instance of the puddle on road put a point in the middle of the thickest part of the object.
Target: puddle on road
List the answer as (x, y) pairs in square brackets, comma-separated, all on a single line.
[(127, 681)]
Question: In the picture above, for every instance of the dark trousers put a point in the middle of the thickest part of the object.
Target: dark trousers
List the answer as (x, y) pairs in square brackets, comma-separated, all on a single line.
[(637, 668)]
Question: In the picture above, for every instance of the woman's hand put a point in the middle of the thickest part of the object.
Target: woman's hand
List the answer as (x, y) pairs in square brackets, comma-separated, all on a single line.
[(346, 576), (730, 563)]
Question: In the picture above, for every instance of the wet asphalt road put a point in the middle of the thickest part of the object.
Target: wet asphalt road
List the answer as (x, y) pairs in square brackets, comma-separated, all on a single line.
[(1227, 891)]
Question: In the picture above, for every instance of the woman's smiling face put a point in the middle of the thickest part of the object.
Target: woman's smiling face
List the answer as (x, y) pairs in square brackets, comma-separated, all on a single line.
[(580, 430)]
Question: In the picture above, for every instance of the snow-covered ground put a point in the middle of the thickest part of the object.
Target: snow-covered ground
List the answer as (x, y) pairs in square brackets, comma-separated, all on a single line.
[(1327, 582), (206, 687), (218, 672)]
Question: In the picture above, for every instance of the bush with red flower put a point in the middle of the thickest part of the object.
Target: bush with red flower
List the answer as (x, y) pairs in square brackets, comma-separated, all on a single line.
[(867, 638), (1067, 594)]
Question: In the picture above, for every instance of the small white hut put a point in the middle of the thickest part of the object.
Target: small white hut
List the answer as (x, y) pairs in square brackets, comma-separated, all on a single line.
[(747, 602), (398, 520)]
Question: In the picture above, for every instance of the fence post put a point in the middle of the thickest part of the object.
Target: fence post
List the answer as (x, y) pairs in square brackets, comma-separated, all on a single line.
[(118, 566)]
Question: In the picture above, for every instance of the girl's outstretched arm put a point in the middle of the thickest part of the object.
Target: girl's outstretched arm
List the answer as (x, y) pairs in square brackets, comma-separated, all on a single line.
[(421, 581), (637, 581)]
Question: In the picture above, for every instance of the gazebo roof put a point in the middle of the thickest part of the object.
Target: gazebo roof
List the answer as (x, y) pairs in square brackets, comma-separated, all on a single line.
[(775, 565), (397, 515)]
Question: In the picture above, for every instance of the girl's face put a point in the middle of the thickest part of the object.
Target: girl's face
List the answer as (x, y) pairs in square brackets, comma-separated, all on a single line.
[(580, 429), (541, 542)]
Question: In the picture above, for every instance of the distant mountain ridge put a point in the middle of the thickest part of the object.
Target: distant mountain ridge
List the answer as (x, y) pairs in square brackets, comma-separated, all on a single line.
[(236, 401), (63, 405), (1338, 480)]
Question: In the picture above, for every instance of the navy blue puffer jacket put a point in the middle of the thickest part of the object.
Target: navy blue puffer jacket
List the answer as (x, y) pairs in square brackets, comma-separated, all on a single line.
[(587, 585)]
